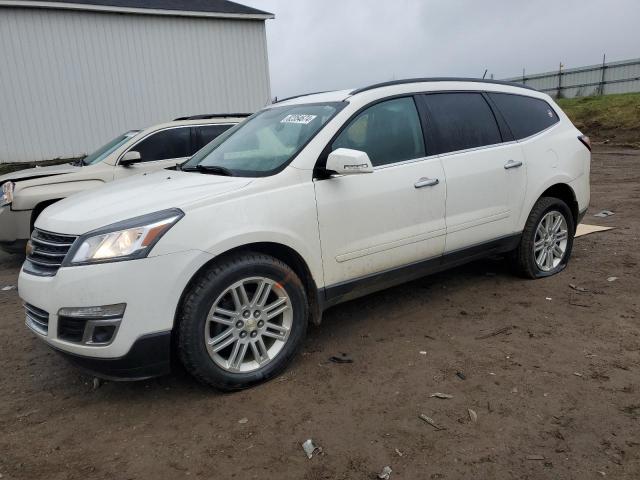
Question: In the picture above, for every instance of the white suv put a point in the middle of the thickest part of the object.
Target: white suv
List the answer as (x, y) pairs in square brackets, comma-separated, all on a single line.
[(310, 202), (26, 193)]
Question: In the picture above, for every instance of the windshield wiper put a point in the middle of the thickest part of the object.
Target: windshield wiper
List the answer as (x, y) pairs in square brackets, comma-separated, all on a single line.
[(214, 169)]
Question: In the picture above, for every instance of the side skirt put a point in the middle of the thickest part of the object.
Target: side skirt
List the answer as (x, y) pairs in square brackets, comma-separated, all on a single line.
[(344, 291)]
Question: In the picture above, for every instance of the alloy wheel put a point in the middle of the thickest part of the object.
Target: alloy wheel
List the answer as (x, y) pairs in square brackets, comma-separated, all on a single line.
[(550, 242), (248, 324)]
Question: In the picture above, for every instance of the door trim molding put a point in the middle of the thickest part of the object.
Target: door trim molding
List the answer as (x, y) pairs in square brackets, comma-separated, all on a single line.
[(343, 257)]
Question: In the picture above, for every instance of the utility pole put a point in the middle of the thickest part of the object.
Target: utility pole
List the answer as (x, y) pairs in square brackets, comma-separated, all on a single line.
[(559, 94), (604, 67)]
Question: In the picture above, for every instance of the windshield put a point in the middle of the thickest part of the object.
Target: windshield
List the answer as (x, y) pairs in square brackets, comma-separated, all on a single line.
[(106, 149), (265, 142)]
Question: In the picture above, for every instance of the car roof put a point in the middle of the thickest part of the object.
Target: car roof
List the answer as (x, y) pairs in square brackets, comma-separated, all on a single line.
[(461, 83)]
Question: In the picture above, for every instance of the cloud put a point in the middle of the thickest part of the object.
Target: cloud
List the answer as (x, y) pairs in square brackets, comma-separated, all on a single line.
[(331, 44)]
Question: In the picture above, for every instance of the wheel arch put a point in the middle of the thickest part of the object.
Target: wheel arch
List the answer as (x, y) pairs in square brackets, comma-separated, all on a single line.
[(277, 250), (557, 188), (565, 193)]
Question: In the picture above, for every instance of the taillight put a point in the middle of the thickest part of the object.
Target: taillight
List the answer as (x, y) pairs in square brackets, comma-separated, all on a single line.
[(585, 141)]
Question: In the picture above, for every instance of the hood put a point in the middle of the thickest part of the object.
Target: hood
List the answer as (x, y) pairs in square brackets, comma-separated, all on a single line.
[(132, 197), (36, 172)]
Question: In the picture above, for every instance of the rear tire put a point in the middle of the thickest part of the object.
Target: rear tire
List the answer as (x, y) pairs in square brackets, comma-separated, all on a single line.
[(242, 322), (547, 239)]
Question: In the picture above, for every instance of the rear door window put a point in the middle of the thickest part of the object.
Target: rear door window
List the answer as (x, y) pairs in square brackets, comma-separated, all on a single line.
[(166, 144), (388, 131), (526, 116), (461, 121), (207, 133)]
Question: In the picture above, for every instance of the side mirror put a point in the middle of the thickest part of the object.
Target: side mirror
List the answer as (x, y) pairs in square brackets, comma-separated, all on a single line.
[(130, 158), (345, 161)]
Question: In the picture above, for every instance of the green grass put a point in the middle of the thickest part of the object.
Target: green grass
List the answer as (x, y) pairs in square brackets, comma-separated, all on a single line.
[(613, 119)]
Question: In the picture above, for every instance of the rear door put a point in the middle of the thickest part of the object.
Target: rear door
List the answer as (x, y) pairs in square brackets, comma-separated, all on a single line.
[(205, 134), (484, 168)]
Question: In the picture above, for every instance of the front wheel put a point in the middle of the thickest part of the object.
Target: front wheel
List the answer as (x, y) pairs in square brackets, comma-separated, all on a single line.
[(242, 322), (547, 239)]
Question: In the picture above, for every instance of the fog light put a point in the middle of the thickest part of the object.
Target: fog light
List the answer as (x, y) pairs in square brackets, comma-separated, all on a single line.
[(103, 333), (91, 326), (101, 312)]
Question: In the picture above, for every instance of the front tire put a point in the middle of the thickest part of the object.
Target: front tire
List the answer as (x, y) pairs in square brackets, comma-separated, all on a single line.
[(242, 321), (547, 239)]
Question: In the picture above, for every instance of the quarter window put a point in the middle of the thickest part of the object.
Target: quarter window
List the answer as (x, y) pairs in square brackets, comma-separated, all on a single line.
[(525, 115), (166, 144), (388, 132), (461, 121)]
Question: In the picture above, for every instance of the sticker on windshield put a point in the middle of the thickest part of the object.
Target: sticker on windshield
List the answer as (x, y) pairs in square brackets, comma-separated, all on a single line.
[(303, 119)]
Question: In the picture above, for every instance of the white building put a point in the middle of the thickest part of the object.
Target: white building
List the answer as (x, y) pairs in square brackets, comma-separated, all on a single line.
[(74, 74)]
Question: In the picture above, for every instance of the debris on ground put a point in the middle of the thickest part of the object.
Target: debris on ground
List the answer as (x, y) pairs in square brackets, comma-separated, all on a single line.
[(431, 422), (495, 332), (8, 287), (461, 376), (243, 420), (549, 298), (577, 288), (423, 352), (400, 454), (535, 457), (343, 358), (311, 449), (604, 214), (96, 383), (612, 279), (584, 229), (385, 474), (441, 395), (577, 374), (473, 416)]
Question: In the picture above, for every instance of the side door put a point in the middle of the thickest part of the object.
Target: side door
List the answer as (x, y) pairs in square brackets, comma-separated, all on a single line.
[(375, 222), (204, 134), (159, 150), (485, 169)]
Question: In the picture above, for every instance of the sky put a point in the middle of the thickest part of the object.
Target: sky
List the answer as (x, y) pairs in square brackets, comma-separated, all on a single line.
[(317, 45)]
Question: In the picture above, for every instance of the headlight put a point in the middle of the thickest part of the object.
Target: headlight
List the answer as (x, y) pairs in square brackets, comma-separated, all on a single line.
[(124, 240), (7, 194)]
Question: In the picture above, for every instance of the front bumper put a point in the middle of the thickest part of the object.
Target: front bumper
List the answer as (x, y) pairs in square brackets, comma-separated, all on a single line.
[(150, 356), (150, 287), (14, 225)]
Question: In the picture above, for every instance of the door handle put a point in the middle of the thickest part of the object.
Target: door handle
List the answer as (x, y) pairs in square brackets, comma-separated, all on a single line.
[(426, 182), (512, 164)]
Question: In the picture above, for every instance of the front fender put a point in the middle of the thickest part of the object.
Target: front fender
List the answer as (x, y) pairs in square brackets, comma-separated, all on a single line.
[(27, 197)]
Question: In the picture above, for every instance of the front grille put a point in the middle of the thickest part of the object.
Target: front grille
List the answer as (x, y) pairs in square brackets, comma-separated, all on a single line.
[(71, 329), (37, 319), (46, 252)]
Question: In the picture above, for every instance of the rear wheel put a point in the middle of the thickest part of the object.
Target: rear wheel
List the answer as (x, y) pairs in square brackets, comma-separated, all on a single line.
[(547, 239), (242, 322)]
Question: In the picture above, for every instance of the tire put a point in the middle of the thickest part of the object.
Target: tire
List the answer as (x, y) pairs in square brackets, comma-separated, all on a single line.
[(528, 259), (215, 312)]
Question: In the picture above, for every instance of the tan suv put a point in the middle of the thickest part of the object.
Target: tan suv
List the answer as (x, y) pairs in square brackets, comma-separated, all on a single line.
[(26, 193)]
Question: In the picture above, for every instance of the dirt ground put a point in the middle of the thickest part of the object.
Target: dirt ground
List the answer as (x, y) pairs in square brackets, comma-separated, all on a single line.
[(557, 395)]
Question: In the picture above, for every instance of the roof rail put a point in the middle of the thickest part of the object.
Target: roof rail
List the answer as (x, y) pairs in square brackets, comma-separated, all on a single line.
[(301, 95), (206, 116), (439, 79)]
